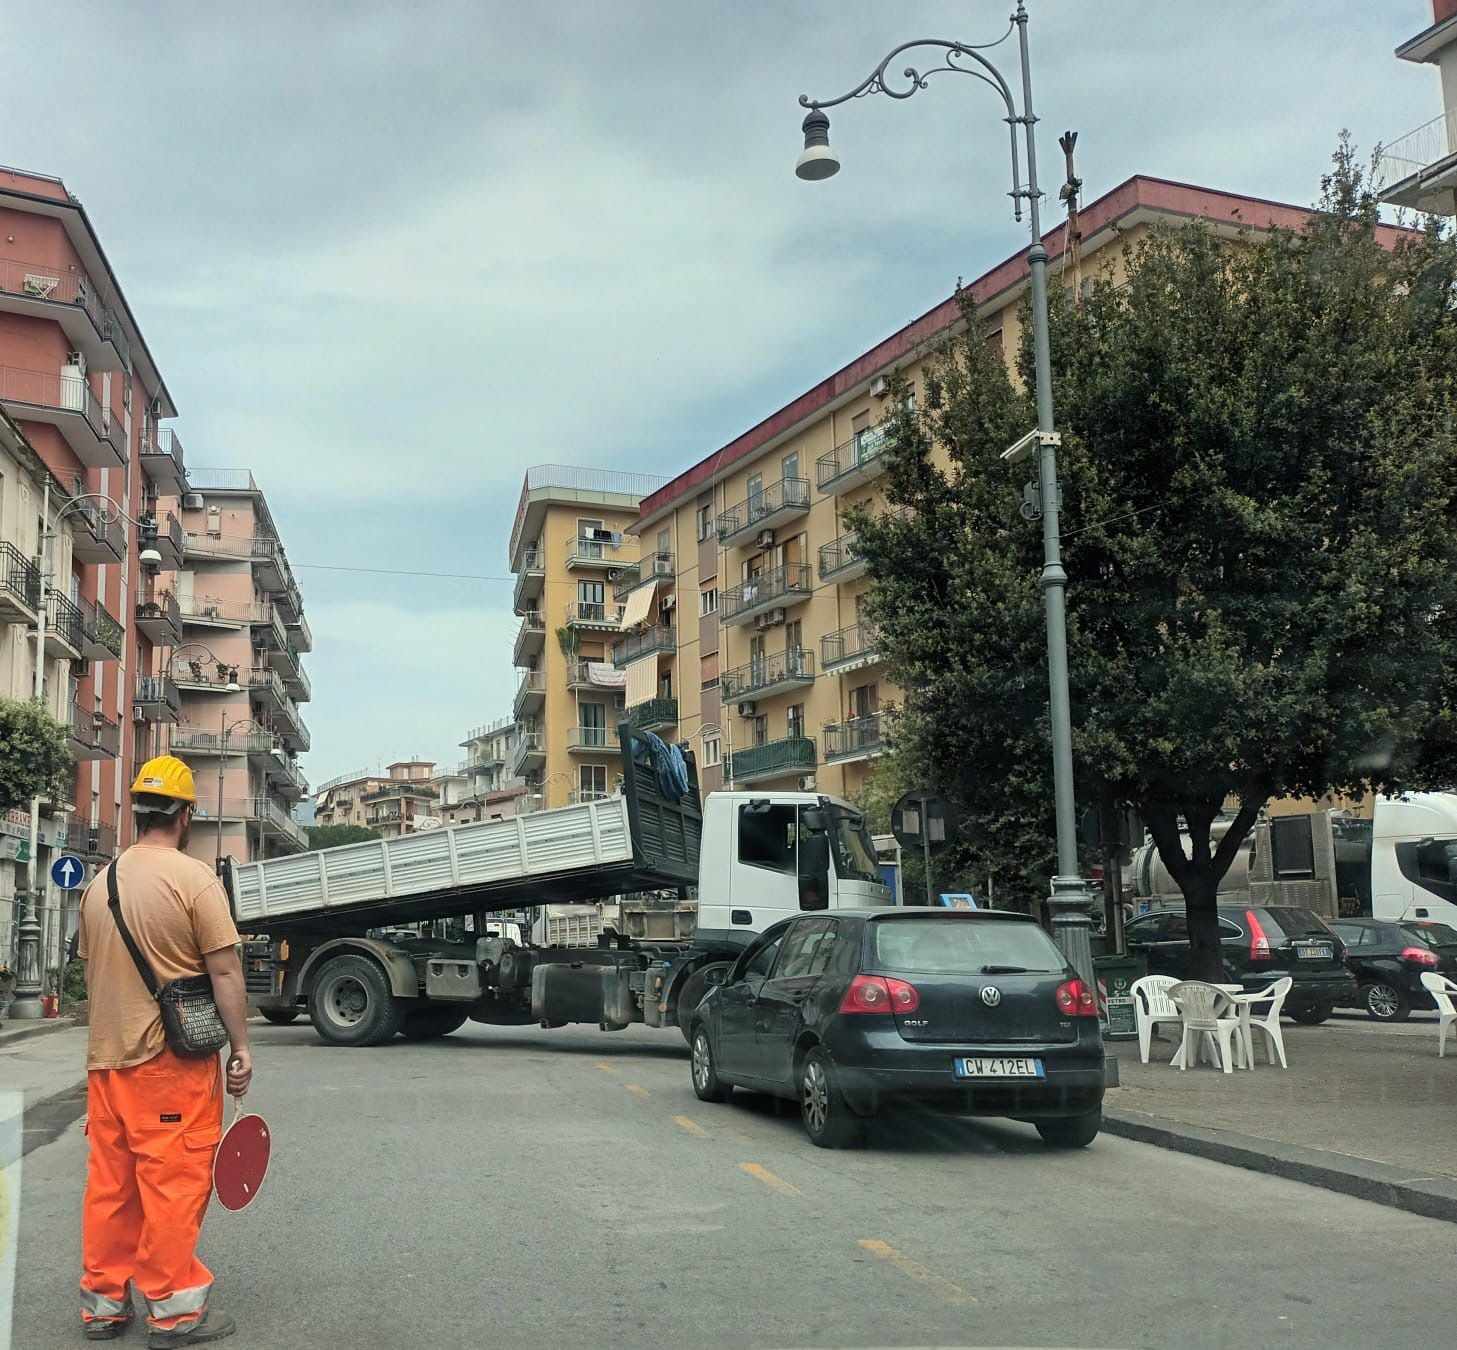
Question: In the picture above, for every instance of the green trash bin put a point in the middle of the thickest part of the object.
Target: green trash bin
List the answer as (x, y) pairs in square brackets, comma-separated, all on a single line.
[(1115, 976)]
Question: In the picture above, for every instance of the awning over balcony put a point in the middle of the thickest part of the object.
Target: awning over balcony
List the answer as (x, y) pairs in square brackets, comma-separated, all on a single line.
[(642, 679), (638, 605)]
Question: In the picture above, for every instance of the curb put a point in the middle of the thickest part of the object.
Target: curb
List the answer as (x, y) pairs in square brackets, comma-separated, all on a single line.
[(11, 1031), (1380, 1183)]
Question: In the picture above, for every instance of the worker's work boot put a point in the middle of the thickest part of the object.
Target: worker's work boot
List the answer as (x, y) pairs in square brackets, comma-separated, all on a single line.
[(211, 1326), (107, 1330)]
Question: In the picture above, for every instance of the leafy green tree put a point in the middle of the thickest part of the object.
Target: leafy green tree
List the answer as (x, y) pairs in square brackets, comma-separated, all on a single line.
[(331, 836), (1259, 468), (35, 757)]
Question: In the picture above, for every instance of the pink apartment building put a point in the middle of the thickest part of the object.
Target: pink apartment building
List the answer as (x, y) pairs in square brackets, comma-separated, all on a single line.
[(234, 677), (77, 377)]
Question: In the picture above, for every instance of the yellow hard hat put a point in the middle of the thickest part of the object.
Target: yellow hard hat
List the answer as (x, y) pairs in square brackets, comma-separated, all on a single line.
[(166, 776)]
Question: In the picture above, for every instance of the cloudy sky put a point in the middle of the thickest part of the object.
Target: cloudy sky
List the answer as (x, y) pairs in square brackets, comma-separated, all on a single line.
[(389, 255)]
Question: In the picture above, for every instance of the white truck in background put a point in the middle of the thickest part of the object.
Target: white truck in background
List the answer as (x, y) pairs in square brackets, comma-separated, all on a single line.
[(315, 920), (1399, 864)]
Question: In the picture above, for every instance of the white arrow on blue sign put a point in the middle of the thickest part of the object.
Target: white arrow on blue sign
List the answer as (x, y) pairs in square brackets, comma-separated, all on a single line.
[(68, 872)]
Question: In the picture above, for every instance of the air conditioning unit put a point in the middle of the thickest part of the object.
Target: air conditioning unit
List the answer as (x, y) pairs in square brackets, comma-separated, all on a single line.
[(613, 572), (806, 782), (879, 387), (155, 407), (765, 539), (668, 603), (747, 709), (192, 501), (769, 618), (137, 713)]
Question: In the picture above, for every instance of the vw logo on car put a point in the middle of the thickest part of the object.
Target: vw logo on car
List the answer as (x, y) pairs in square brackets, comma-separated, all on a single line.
[(991, 995)]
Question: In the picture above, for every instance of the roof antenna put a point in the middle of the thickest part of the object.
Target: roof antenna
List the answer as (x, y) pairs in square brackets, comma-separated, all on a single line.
[(1073, 254)]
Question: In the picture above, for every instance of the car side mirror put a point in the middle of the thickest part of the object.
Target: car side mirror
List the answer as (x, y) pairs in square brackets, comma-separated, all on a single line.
[(717, 976)]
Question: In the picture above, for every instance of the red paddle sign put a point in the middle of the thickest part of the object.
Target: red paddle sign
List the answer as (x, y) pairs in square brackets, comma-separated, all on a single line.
[(241, 1161)]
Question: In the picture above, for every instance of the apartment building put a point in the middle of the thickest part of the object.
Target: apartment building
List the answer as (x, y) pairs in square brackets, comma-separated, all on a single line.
[(80, 385), (572, 557), (777, 677), (406, 793), (233, 622), (338, 801), (1419, 168), (492, 792)]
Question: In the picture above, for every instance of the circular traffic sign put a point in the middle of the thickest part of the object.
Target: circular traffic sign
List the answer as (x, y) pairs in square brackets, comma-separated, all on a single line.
[(921, 820), (68, 872)]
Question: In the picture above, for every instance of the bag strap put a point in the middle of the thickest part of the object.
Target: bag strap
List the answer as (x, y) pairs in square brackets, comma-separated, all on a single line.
[(113, 903)]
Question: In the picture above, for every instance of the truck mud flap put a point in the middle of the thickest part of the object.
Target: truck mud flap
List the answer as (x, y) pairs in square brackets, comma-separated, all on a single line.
[(583, 993)]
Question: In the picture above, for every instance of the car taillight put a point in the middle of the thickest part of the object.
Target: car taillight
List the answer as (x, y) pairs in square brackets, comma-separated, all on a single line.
[(1075, 999), (879, 994), (1259, 943), (1419, 956)]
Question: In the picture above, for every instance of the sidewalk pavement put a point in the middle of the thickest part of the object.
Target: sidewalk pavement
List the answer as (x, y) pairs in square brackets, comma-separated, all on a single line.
[(45, 1072), (1362, 1109)]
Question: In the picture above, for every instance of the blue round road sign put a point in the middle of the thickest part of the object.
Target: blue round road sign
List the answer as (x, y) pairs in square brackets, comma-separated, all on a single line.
[(68, 872)]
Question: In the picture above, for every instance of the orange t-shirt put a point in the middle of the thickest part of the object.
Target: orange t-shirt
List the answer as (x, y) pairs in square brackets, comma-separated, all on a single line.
[(177, 911)]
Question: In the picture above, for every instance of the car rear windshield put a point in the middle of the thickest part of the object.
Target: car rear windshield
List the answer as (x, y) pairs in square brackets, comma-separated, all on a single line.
[(1433, 934), (950, 946), (1289, 921)]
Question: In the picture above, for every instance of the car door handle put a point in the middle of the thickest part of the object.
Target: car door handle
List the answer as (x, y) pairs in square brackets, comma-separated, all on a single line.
[(740, 916)]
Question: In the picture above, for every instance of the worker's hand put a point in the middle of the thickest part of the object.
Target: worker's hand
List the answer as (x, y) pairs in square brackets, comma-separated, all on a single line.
[(240, 1071)]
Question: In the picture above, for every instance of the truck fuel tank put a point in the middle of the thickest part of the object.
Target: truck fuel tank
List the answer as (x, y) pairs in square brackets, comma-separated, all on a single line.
[(596, 989)]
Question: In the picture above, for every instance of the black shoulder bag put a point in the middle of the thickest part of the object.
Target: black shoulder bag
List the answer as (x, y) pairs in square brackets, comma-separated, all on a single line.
[(190, 1018)]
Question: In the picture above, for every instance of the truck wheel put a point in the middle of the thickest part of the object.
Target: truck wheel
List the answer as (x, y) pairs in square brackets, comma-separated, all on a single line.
[(426, 1024), (691, 992), (279, 1017), (827, 1117), (707, 1085), (351, 1003)]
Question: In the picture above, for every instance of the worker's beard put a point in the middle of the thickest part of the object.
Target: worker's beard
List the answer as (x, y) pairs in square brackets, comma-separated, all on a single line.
[(186, 833)]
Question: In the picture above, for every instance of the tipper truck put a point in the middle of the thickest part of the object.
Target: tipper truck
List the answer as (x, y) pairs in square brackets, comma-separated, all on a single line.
[(318, 923)]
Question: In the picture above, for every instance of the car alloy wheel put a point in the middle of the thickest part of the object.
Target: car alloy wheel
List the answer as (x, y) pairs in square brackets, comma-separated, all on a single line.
[(1382, 1002), (702, 1061), (815, 1097)]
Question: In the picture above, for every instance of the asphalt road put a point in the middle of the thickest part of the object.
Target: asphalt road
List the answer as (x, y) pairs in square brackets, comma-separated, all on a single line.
[(529, 1188)]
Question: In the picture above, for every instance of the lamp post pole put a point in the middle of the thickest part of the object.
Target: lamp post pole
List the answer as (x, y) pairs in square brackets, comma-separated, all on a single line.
[(1070, 899)]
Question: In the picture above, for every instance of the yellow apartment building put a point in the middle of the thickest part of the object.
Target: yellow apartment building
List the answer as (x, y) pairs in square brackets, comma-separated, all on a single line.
[(570, 553), (754, 638)]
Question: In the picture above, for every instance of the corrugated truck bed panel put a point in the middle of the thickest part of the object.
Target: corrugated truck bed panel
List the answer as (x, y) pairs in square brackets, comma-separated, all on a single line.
[(492, 852)]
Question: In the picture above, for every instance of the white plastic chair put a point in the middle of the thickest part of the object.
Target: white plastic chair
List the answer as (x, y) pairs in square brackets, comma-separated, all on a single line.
[(1441, 989), (1206, 1012), (1153, 1007), (1269, 1023)]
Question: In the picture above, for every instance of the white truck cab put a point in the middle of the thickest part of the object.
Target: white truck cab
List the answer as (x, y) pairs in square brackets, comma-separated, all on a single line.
[(1414, 857), (768, 855)]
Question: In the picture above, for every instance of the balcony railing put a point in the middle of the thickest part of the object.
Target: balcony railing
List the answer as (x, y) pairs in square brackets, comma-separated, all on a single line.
[(857, 643), (197, 672), (158, 698), (594, 614), (93, 734), (42, 285), (287, 772), (656, 712), (1411, 156), (855, 738), (195, 740), (661, 638), (654, 567), (779, 501), (66, 401), (590, 739), (93, 842), (792, 668), (162, 458), (98, 539), (63, 619), (581, 796), (589, 551), (19, 585), (210, 609), (530, 690), (773, 759), (840, 560), (160, 618), (530, 746), (103, 637), (854, 461), (166, 536), (784, 585), (530, 636)]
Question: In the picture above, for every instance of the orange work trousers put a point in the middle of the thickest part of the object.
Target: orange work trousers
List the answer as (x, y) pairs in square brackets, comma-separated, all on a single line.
[(153, 1129)]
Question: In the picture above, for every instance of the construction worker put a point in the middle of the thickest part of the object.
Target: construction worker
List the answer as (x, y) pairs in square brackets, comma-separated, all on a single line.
[(154, 1117)]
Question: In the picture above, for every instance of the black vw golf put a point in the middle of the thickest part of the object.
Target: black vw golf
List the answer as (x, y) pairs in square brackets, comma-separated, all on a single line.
[(967, 1012)]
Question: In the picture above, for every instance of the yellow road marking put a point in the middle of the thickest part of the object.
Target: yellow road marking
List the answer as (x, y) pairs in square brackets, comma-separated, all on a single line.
[(606, 1068), (914, 1270), (692, 1126), (769, 1179), (636, 1090)]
